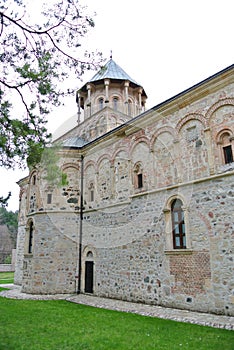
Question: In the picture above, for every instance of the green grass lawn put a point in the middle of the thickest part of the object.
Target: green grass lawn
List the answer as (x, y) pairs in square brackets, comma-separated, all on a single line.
[(6, 277), (60, 325)]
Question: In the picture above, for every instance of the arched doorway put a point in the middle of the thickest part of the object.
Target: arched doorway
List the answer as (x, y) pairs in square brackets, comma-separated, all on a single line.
[(89, 272)]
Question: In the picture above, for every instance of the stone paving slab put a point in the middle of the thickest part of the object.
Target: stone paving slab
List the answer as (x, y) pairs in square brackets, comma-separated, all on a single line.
[(14, 292), (204, 319)]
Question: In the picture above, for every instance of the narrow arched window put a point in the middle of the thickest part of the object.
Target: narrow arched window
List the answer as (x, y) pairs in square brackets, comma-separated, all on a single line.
[(226, 143), (101, 103), (178, 225), (138, 177), (89, 255), (129, 107), (34, 179), (139, 180), (91, 192), (30, 238), (115, 103)]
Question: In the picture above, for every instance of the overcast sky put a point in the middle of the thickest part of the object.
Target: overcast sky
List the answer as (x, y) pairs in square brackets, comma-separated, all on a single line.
[(167, 46)]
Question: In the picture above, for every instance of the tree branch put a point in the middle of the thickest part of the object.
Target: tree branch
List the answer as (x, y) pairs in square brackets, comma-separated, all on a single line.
[(19, 92), (29, 29), (16, 86)]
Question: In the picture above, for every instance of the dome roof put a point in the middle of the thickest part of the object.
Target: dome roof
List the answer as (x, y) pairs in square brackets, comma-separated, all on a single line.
[(113, 71)]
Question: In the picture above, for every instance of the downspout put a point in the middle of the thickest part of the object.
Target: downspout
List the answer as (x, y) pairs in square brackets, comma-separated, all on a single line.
[(81, 223)]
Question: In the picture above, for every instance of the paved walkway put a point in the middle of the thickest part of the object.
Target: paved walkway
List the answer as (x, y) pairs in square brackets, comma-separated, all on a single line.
[(204, 319)]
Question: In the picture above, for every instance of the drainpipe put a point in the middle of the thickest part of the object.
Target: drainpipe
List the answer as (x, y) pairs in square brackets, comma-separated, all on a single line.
[(81, 222)]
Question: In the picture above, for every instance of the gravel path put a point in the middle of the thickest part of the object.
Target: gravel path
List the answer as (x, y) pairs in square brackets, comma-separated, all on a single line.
[(204, 319)]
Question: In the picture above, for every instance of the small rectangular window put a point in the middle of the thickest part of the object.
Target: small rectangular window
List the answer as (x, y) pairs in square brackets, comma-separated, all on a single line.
[(49, 198), (228, 156)]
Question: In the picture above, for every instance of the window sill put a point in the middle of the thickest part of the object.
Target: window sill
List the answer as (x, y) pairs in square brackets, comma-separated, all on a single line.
[(226, 167), (28, 255), (178, 252)]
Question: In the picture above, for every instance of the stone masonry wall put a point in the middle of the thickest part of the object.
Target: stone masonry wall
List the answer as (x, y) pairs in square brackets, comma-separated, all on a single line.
[(20, 250), (133, 263), (52, 267)]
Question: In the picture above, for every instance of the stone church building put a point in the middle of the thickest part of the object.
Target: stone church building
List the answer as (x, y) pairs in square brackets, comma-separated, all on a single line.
[(146, 214)]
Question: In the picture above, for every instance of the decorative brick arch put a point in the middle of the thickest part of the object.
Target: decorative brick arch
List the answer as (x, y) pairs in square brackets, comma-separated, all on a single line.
[(115, 95), (90, 163), (104, 156), (224, 140), (221, 132), (191, 116), (112, 117), (217, 105), (70, 165), (87, 249), (160, 131), (98, 98), (172, 198), (137, 141), (119, 150)]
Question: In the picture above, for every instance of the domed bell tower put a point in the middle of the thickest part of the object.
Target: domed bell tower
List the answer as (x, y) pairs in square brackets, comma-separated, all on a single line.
[(110, 99)]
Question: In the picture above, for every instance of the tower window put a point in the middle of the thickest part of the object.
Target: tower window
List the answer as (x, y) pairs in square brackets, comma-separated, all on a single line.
[(228, 156), (115, 103), (129, 107), (101, 103)]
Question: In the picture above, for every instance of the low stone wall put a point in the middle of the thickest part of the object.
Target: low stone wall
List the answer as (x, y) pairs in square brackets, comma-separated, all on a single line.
[(7, 268)]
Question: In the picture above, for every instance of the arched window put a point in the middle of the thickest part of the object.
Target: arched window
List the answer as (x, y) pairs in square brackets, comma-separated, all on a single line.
[(225, 142), (32, 192), (138, 176), (101, 103), (178, 225), (115, 103), (34, 179), (129, 107), (91, 192), (227, 148), (30, 238), (89, 272), (89, 255)]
